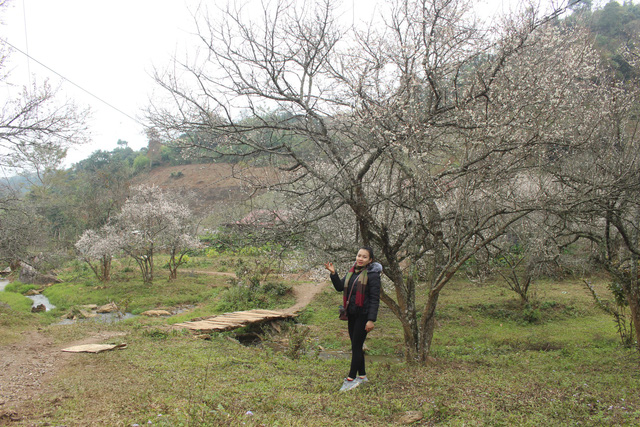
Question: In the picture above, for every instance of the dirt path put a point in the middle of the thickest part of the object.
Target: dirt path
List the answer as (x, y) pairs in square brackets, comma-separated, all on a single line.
[(26, 366), (304, 293)]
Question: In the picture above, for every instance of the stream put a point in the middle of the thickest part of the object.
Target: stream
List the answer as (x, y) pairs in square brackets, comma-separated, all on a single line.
[(101, 317), (37, 299)]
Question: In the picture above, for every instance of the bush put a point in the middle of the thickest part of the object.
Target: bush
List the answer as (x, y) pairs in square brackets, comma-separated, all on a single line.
[(140, 163), (251, 296)]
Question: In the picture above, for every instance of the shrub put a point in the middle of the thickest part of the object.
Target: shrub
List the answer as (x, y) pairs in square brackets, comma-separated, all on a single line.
[(140, 163)]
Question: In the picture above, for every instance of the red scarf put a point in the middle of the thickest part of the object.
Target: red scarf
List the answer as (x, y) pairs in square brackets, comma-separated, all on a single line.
[(360, 283)]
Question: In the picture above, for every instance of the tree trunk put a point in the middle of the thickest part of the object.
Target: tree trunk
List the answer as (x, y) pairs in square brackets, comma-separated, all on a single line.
[(428, 326), (105, 269), (634, 306), (14, 264), (633, 296)]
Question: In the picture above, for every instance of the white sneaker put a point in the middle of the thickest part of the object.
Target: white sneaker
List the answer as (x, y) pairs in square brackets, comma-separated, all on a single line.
[(349, 384), (362, 379)]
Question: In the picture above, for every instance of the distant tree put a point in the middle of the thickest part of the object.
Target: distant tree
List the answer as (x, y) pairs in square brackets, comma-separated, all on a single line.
[(178, 245), (526, 252), (141, 163), (422, 137), (97, 249), (102, 184), (150, 222), (613, 26), (21, 232)]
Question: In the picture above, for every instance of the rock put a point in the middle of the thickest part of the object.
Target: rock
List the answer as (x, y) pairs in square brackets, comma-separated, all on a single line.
[(38, 308), (155, 313), (87, 314), (108, 308), (411, 417), (28, 274)]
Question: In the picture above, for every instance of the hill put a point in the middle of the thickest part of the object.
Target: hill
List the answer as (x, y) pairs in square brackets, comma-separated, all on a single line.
[(212, 185)]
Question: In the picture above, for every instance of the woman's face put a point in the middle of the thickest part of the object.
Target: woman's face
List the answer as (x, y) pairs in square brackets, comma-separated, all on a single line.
[(363, 258)]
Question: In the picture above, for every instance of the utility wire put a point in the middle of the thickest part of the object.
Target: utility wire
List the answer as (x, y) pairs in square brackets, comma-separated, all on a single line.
[(26, 39), (75, 84)]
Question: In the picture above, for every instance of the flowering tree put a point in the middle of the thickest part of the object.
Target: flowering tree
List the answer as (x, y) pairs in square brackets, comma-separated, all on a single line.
[(178, 244), (97, 249), (422, 137), (597, 188), (150, 222)]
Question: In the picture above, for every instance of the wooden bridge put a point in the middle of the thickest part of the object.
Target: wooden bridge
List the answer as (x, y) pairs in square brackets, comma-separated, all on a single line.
[(303, 293), (237, 319)]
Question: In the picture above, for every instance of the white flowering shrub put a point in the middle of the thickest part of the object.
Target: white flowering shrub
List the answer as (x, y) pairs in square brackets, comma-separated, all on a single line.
[(97, 249)]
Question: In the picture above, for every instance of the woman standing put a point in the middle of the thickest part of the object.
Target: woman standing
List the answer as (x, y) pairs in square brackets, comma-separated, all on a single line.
[(361, 297)]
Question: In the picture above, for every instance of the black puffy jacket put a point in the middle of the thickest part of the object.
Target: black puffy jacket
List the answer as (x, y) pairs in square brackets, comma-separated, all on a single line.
[(371, 293)]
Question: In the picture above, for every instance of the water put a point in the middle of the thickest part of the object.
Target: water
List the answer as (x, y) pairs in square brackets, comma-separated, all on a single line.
[(41, 299), (101, 317), (37, 299)]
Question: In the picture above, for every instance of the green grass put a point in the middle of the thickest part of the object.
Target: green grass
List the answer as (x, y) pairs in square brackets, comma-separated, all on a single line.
[(16, 302), (490, 365), (129, 293), (15, 316)]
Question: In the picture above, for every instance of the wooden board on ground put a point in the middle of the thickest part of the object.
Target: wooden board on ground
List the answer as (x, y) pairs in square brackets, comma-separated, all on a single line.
[(93, 348), (237, 319)]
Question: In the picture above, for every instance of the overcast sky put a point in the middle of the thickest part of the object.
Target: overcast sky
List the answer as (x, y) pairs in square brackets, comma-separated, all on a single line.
[(109, 49)]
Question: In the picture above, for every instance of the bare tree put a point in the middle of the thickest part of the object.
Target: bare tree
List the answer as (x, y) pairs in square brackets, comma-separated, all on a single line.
[(526, 252), (36, 128), (21, 230), (420, 137)]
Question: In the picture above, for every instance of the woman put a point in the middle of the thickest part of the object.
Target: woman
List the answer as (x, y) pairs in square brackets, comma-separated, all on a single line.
[(361, 290)]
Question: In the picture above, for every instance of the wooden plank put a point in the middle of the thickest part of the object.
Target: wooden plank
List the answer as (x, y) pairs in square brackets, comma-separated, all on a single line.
[(233, 320)]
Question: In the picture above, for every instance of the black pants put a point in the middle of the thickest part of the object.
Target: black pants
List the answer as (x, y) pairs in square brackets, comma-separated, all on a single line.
[(357, 335)]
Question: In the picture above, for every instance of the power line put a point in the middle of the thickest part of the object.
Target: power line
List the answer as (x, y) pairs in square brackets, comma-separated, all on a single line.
[(26, 39), (75, 84)]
